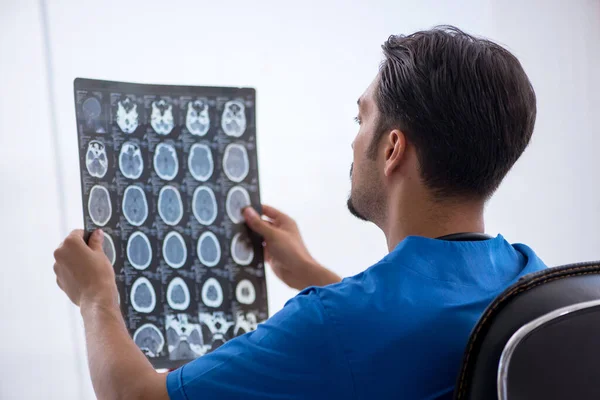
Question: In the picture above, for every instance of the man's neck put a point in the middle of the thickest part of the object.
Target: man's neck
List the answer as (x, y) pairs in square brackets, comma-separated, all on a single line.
[(422, 216)]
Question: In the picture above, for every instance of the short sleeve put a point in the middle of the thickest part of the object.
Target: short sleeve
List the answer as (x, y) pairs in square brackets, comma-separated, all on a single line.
[(294, 355)]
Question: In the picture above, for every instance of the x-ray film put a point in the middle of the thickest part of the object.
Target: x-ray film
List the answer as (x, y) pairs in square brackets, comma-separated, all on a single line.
[(165, 172)]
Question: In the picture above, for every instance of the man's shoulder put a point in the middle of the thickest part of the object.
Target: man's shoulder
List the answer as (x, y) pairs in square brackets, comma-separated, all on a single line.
[(353, 294)]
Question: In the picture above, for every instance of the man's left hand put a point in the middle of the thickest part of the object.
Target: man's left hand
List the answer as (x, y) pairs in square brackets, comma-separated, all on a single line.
[(83, 271)]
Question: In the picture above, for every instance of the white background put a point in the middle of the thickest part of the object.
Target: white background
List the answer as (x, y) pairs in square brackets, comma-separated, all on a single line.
[(309, 62)]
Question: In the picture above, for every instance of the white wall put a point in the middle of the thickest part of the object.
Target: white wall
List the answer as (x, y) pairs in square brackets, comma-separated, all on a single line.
[(309, 62), (38, 344)]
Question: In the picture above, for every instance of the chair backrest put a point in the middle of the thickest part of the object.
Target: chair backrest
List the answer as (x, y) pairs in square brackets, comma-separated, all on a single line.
[(556, 356), (533, 296)]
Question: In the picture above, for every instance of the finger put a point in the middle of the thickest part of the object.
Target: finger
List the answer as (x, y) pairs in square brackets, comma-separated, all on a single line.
[(57, 254), (73, 242), (276, 215), (59, 285), (75, 238), (257, 224), (77, 233), (96, 240)]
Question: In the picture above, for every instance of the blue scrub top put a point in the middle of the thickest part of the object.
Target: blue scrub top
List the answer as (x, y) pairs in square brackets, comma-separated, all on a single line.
[(397, 330)]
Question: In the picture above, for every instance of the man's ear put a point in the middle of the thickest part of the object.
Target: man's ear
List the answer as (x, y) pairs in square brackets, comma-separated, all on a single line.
[(395, 146)]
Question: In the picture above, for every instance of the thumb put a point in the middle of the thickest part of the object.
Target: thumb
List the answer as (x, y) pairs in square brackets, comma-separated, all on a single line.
[(257, 224), (96, 240)]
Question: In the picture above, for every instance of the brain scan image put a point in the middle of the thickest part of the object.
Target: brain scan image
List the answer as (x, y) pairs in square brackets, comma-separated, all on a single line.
[(166, 171), (108, 246), (178, 294), (245, 292), (170, 207), (242, 251), (143, 297), (149, 339), (96, 160), (197, 119), (161, 118), (204, 205), (135, 206), (212, 293), (92, 109), (208, 249), (235, 162), (245, 323), (215, 328), (174, 250), (184, 338), (99, 205), (127, 116), (233, 120), (237, 199), (200, 162), (166, 164), (139, 250), (131, 162)]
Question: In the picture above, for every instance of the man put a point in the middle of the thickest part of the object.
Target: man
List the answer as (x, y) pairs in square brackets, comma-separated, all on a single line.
[(442, 123)]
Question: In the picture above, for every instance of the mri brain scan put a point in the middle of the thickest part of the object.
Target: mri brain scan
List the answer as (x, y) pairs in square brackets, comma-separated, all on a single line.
[(127, 116), (204, 205), (149, 339), (244, 292), (197, 119), (174, 250), (139, 250), (170, 207), (161, 118), (235, 162), (244, 323), (184, 339), (212, 293), (166, 171), (237, 199), (242, 251), (178, 294), (96, 160), (131, 162), (200, 162), (91, 109), (166, 164), (233, 120), (135, 206), (216, 329), (143, 297), (208, 249), (108, 246), (99, 205)]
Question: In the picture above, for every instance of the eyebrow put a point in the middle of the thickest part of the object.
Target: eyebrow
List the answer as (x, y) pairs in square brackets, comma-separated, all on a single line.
[(358, 101)]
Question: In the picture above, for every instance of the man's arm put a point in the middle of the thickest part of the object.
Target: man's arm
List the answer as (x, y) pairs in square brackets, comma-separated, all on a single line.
[(118, 368)]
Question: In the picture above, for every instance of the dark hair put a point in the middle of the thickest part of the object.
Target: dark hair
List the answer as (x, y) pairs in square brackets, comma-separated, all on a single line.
[(465, 104)]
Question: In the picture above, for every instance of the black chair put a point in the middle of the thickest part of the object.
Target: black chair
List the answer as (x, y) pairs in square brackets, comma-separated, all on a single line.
[(540, 339)]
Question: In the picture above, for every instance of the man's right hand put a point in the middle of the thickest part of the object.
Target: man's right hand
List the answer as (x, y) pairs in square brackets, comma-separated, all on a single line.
[(285, 250)]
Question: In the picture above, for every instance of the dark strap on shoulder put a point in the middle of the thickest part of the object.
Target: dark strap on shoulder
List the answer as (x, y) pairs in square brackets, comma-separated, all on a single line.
[(465, 237)]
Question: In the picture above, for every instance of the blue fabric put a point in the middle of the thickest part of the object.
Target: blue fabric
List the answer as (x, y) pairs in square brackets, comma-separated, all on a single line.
[(397, 330)]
